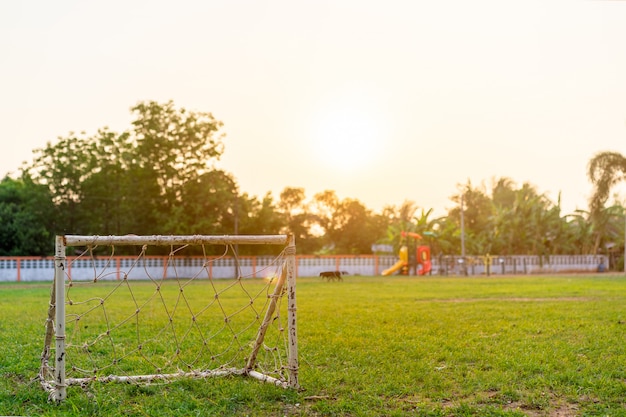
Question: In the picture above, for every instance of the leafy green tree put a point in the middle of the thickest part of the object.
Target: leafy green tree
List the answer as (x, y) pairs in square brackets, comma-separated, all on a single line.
[(298, 219), (325, 205), (135, 182), (178, 144), (292, 205), (477, 216), (64, 167), (26, 218), (348, 226), (260, 217), (355, 228), (208, 205), (118, 196)]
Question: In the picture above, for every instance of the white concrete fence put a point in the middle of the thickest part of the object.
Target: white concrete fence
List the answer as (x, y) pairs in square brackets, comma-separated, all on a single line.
[(23, 269)]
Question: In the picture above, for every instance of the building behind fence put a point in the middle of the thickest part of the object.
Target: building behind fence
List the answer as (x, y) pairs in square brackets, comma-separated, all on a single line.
[(23, 269)]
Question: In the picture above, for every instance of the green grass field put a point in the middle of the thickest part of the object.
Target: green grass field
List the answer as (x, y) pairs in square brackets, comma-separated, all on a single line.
[(394, 346)]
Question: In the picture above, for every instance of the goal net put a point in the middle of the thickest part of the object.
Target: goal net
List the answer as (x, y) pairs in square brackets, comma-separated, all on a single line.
[(181, 306)]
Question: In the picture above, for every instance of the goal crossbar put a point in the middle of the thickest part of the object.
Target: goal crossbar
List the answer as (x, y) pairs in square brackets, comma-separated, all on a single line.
[(53, 376), (158, 240)]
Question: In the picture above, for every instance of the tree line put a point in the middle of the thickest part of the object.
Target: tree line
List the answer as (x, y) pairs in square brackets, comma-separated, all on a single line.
[(160, 177)]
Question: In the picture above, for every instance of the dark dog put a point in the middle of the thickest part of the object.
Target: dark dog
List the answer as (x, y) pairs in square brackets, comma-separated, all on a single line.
[(332, 275)]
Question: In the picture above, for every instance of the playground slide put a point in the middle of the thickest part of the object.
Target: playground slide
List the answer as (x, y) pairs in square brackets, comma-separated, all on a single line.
[(404, 259), (395, 267)]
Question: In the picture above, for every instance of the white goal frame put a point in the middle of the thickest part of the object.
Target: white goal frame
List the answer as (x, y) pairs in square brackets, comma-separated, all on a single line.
[(53, 375)]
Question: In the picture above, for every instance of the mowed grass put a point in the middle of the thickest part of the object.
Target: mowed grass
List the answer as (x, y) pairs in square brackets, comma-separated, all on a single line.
[(370, 346)]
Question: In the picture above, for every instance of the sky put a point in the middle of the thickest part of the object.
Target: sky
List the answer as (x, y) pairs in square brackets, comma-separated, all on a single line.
[(384, 102)]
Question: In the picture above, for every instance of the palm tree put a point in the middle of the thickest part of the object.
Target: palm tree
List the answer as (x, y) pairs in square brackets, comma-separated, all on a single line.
[(580, 234), (608, 227), (605, 170), (401, 219)]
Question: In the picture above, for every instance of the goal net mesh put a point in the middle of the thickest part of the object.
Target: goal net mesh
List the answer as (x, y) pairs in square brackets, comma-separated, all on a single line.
[(170, 311)]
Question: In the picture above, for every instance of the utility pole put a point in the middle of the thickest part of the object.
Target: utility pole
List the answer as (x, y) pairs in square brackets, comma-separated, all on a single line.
[(236, 221), (463, 235)]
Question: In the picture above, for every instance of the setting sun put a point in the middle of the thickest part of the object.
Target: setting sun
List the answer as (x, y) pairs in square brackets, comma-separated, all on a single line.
[(347, 136)]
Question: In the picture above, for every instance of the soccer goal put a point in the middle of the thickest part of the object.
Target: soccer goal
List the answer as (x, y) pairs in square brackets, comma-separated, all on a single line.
[(172, 307)]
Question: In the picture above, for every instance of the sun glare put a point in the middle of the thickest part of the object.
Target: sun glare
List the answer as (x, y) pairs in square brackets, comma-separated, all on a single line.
[(347, 138)]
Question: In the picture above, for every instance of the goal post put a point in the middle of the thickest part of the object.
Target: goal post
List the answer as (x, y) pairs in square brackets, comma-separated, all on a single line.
[(169, 311)]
